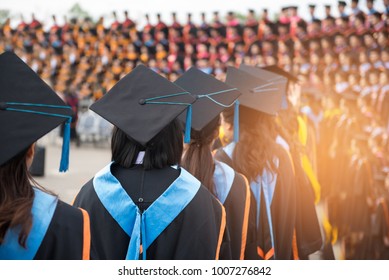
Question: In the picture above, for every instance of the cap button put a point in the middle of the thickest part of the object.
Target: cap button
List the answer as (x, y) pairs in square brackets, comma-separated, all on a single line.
[(142, 101), (3, 106), (140, 199)]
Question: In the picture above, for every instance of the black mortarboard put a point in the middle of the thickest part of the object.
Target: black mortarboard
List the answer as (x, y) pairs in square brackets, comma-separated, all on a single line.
[(264, 74), (377, 15), (142, 103), (257, 93), (327, 6), (29, 109), (316, 20), (278, 70), (342, 3), (212, 97), (312, 6), (277, 83)]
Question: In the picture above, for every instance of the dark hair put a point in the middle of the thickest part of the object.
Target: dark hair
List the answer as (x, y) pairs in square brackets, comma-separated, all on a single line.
[(16, 197), (256, 148), (198, 159), (165, 149)]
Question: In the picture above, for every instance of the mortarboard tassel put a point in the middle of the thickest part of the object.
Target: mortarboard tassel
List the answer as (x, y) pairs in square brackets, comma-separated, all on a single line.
[(188, 124), (64, 165), (236, 121)]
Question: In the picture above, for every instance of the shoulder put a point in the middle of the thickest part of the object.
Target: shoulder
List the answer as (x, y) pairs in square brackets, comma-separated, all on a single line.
[(65, 236), (86, 194), (222, 156), (241, 180), (206, 203), (67, 216), (285, 159)]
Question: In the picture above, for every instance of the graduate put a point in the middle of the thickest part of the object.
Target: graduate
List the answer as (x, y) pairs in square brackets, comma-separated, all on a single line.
[(264, 162), (143, 205), (230, 187), (34, 223), (308, 235)]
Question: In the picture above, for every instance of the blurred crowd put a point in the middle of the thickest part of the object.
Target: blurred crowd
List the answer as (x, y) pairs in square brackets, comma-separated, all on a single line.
[(341, 64)]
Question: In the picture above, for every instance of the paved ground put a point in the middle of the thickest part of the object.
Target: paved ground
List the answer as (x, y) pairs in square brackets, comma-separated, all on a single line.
[(85, 161)]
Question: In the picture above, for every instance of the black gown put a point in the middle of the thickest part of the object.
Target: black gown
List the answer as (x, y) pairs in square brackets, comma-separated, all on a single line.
[(63, 234), (239, 208), (68, 236), (283, 209), (197, 232), (308, 234)]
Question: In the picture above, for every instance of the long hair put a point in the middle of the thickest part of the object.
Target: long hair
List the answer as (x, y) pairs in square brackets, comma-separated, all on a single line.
[(198, 159), (256, 148), (16, 197), (165, 149)]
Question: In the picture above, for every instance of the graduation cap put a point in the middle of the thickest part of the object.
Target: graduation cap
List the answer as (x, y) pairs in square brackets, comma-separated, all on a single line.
[(377, 15), (142, 103), (282, 72), (257, 93), (342, 3), (316, 20), (327, 6), (29, 109), (212, 97), (312, 6), (302, 24), (275, 80)]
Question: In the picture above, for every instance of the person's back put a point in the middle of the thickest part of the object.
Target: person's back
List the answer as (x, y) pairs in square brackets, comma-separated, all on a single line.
[(265, 164), (143, 205), (34, 224), (228, 186)]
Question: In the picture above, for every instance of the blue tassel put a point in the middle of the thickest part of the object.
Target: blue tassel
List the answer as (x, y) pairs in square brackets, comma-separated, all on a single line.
[(64, 165), (236, 121), (188, 124)]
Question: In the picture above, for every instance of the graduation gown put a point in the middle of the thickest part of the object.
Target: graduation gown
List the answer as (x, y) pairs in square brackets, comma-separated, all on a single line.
[(233, 191), (59, 232), (308, 234), (275, 202), (152, 214)]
